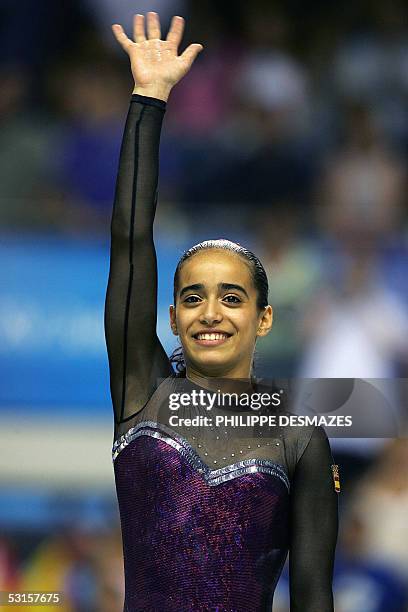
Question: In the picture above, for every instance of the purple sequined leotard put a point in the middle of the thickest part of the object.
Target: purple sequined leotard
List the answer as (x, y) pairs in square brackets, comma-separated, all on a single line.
[(207, 517)]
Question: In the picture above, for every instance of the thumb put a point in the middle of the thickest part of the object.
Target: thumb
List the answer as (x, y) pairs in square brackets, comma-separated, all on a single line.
[(191, 53)]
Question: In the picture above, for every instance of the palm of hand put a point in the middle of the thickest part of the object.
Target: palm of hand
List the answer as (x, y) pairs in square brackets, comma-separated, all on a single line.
[(155, 61)]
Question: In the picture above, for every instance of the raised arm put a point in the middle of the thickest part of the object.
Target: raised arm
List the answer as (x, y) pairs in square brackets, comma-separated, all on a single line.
[(136, 357), (314, 526)]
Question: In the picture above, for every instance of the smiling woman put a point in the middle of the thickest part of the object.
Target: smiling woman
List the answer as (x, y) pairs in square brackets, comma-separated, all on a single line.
[(209, 509)]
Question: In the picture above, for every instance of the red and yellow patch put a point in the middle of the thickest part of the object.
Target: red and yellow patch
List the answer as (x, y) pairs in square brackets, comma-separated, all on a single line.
[(336, 477)]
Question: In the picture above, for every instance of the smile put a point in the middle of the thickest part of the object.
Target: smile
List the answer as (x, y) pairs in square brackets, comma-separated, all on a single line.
[(211, 338)]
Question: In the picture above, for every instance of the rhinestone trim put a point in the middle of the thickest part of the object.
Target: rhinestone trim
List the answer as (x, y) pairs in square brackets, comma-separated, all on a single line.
[(212, 477)]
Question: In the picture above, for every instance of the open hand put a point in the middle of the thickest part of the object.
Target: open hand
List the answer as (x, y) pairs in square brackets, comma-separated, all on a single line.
[(155, 63)]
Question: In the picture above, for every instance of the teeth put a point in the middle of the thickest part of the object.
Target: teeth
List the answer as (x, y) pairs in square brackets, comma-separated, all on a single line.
[(211, 336)]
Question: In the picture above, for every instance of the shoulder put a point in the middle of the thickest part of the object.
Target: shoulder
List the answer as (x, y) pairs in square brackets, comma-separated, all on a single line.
[(297, 433), (304, 439)]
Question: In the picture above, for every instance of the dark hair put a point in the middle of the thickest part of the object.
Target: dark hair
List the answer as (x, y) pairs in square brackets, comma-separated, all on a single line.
[(258, 274)]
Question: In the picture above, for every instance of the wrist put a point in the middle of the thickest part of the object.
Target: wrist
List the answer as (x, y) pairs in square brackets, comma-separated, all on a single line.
[(161, 92)]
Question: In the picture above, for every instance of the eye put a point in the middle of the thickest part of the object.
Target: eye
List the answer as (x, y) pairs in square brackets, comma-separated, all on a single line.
[(192, 299), (232, 299)]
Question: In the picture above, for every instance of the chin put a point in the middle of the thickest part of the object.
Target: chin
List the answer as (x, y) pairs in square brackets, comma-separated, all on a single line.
[(211, 365)]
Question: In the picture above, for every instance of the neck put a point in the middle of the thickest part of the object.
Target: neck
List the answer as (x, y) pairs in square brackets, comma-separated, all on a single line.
[(222, 382)]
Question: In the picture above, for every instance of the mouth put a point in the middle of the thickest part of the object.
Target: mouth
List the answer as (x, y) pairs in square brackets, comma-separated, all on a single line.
[(211, 338)]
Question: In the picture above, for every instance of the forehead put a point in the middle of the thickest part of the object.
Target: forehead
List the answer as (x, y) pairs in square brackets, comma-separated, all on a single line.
[(211, 267)]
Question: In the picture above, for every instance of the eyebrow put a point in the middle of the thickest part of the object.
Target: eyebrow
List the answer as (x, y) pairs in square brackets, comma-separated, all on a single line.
[(223, 286), (198, 287), (231, 286)]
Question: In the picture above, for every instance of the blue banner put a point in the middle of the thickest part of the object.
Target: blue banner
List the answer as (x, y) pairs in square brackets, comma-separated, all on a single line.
[(52, 344)]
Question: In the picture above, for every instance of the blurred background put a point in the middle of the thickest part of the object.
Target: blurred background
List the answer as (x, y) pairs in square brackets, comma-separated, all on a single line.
[(289, 135)]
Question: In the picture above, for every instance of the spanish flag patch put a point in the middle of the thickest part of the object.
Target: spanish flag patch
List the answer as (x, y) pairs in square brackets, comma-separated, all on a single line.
[(336, 477)]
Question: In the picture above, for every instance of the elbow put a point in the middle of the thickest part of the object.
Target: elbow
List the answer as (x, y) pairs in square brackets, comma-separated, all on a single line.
[(121, 234), (311, 591), (119, 229)]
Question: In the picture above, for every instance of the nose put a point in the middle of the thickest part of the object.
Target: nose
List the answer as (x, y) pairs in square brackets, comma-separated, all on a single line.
[(211, 313)]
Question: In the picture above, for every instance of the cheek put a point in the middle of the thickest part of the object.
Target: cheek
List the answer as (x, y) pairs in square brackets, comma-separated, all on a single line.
[(246, 322), (253, 325), (184, 319)]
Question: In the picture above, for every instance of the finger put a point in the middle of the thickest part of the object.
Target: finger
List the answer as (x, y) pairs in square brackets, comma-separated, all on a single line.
[(153, 25), (138, 28), (191, 53), (120, 36), (175, 33)]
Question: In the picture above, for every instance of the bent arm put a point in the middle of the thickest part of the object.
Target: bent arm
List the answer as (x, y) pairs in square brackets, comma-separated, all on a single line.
[(136, 358), (314, 527)]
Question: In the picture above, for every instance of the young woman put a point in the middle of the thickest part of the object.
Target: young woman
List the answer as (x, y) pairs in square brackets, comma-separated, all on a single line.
[(207, 516)]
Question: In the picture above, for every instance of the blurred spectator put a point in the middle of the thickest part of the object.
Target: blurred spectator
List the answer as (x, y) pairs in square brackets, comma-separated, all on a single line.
[(261, 150), (354, 326), (270, 77), (192, 149), (363, 187), (361, 206), (370, 65), (363, 583), (380, 509)]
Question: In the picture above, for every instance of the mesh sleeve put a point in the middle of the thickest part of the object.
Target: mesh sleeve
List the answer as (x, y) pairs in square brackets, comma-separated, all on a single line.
[(136, 358), (314, 527)]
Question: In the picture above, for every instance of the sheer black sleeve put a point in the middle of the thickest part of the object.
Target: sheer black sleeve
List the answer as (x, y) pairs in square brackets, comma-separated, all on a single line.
[(136, 358), (314, 527)]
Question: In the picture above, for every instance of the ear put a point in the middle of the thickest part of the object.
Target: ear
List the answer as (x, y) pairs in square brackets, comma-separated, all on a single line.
[(173, 324), (265, 322)]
